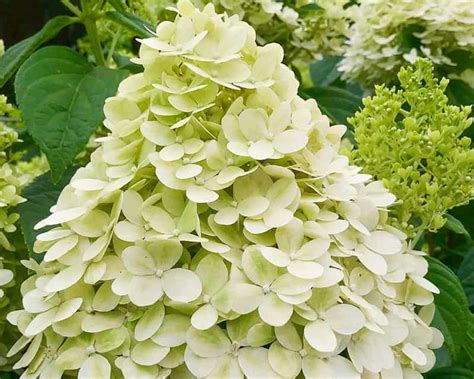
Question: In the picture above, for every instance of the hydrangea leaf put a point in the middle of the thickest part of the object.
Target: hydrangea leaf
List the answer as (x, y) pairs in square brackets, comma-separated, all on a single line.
[(452, 312), (61, 97), (13, 58), (337, 103)]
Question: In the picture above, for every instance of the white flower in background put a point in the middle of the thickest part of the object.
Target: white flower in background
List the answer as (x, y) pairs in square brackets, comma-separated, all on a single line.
[(217, 232), (385, 35)]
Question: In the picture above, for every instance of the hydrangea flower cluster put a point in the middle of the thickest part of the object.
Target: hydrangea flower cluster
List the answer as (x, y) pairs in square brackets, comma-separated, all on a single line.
[(436, 170), (305, 29), (386, 34), (217, 232)]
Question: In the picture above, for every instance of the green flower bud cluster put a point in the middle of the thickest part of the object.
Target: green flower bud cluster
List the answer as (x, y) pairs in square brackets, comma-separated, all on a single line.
[(218, 233), (15, 174), (387, 34), (413, 141)]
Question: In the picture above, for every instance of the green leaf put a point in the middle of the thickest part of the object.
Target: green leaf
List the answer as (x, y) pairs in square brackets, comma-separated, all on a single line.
[(337, 103), (17, 54), (61, 97), (124, 63), (324, 72), (459, 92), (466, 275), (450, 373), (456, 226), (131, 22), (452, 312), (118, 4), (408, 38), (40, 196), (308, 9)]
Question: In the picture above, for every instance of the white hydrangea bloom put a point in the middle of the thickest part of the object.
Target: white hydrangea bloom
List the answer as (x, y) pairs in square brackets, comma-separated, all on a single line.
[(217, 232), (385, 35)]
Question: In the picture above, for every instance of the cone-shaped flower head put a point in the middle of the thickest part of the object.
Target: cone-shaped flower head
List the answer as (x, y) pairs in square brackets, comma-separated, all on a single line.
[(217, 232)]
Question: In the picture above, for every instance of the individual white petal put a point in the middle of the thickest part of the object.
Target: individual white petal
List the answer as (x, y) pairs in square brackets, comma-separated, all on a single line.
[(150, 322), (374, 262), (276, 217), (274, 311), (159, 219), (227, 216), (93, 224), (261, 150), (145, 290), (414, 353), (256, 226), (5, 276), (345, 319), (205, 317), (257, 268), (98, 322), (172, 152), (181, 285), (245, 298), (148, 353), (313, 249), (66, 278), (129, 232), (188, 171), (287, 335), (213, 273), (138, 261), (208, 343), (253, 206), (305, 269), (320, 336), (67, 309), (424, 283), (200, 194), (173, 330), (40, 323), (288, 284), (285, 362), (340, 191), (383, 242), (254, 363), (200, 367), (157, 133), (252, 123), (227, 367), (62, 216), (275, 256), (166, 253), (229, 174), (290, 141), (96, 366)]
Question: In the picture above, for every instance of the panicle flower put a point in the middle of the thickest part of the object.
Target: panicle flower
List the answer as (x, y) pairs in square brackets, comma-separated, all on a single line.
[(387, 34), (414, 141), (14, 176), (217, 232)]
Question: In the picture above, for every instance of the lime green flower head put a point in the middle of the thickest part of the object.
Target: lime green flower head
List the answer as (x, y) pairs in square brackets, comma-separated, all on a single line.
[(385, 35), (413, 141), (217, 232)]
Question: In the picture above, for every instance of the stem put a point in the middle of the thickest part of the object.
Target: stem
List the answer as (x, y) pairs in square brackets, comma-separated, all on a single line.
[(9, 119), (88, 18), (417, 237), (98, 5), (113, 45), (75, 10)]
